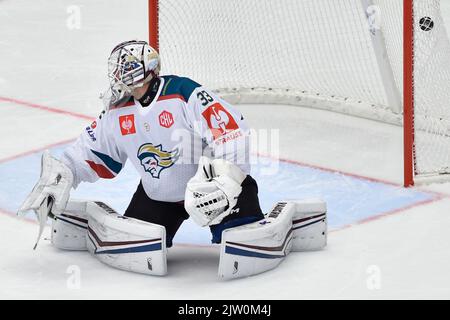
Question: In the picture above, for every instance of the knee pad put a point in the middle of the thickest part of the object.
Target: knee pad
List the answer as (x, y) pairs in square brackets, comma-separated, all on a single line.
[(126, 243), (118, 241), (256, 247), (309, 225), (261, 246), (69, 229)]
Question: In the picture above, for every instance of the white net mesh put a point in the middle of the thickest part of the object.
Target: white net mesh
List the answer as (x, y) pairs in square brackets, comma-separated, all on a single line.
[(340, 55), (308, 47), (432, 89)]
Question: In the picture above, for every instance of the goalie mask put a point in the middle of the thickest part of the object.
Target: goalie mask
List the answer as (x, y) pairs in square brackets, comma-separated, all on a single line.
[(131, 65)]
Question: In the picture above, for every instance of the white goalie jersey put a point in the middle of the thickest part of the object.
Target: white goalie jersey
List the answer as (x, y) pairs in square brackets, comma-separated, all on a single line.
[(163, 141)]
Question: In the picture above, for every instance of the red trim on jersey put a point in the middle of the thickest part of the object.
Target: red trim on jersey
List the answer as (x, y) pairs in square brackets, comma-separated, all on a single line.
[(119, 106), (101, 170), (171, 96)]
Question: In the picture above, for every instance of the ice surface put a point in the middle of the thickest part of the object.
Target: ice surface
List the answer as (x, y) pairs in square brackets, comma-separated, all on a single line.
[(44, 62)]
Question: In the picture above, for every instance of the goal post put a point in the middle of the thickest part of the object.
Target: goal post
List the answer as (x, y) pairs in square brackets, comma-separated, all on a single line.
[(153, 24), (408, 93), (384, 60)]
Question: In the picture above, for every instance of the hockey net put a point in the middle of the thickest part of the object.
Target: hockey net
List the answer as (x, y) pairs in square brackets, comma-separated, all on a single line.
[(340, 55)]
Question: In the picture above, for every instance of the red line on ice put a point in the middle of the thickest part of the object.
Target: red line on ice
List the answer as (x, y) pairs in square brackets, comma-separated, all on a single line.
[(27, 153), (391, 213), (313, 166), (352, 175), (45, 108), (14, 215)]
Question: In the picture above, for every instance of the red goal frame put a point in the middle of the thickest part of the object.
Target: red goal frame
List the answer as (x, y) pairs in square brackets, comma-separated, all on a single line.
[(408, 93), (153, 27)]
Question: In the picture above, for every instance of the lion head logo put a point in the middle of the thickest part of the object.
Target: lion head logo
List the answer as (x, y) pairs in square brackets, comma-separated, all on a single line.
[(154, 159)]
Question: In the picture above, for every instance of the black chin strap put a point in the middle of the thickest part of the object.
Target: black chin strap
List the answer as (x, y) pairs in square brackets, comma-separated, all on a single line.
[(151, 92)]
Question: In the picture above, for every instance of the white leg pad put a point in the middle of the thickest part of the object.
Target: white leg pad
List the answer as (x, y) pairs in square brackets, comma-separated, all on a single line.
[(69, 229), (126, 243), (309, 225), (257, 247)]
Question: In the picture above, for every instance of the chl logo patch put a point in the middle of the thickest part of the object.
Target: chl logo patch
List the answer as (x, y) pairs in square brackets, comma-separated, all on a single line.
[(154, 159), (219, 120), (127, 124), (166, 119)]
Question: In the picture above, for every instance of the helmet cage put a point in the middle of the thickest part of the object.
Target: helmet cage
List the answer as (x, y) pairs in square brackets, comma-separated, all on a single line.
[(126, 68)]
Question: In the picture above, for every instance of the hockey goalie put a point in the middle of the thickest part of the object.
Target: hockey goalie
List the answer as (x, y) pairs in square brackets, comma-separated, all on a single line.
[(191, 149)]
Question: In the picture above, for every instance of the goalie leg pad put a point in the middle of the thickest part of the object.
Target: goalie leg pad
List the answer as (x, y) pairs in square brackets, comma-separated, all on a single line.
[(309, 225), (69, 229), (126, 243), (257, 247)]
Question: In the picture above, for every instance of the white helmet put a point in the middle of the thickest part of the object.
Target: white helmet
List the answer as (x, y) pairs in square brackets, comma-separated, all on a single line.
[(130, 65)]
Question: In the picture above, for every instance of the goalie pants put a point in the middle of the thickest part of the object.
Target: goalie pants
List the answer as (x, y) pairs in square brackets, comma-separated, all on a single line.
[(172, 214)]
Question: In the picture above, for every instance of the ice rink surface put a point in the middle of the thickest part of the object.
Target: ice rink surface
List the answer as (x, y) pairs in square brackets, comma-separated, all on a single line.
[(385, 241)]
